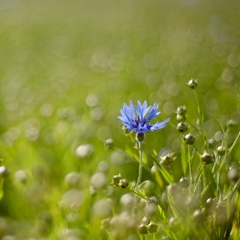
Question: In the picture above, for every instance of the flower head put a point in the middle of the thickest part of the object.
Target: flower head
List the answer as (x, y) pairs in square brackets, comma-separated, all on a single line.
[(136, 118)]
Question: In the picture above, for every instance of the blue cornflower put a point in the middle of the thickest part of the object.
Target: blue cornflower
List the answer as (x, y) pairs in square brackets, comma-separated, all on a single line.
[(136, 118)]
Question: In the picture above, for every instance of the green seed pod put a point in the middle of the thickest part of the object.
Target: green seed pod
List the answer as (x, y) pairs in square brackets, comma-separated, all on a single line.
[(173, 223), (198, 216), (221, 150), (189, 139), (192, 83), (210, 204), (109, 143), (181, 110), (182, 127), (184, 182), (211, 143), (181, 118), (4, 172), (142, 228), (206, 158), (166, 160), (233, 174), (116, 179), (152, 227), (123, 183), (145, 220), (140, 137), (231, 123)]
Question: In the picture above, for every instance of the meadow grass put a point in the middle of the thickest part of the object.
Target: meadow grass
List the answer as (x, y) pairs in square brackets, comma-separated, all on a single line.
[(69, 169)]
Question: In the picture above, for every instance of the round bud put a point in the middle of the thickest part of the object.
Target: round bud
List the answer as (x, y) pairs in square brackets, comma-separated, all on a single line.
[(152, 227), (221, 150), (184, 182), (181, 118), (189, 139), (123, 183), (116, 179), (166, 160), (206, 158), (198, 216), (140, 137), (181, 110), (3, 171), (233, 174), (182, 127), (109, 143), (192, 83), (142, 228)]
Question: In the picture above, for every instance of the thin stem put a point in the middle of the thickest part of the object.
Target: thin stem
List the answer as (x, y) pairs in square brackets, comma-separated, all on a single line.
[(140, 164), (201, 118)]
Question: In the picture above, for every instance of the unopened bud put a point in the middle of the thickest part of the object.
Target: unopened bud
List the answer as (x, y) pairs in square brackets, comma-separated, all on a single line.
[(192, 83), (123, 183), (116, 179), (182, 127), (181, 110), (140, 137), (189, 139), (233, 174), (142, 228), (206, 158)]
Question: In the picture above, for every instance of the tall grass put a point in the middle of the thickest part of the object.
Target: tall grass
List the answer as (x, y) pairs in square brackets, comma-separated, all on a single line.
[(67, 168)]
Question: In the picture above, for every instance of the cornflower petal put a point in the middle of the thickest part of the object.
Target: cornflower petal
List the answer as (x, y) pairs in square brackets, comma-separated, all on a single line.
[(141, 110), (159, 125), (153, 112), (136, 118)]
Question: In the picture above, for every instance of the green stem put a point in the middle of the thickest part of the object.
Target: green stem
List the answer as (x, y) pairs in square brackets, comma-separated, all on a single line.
[(201, 118), (140, 164)]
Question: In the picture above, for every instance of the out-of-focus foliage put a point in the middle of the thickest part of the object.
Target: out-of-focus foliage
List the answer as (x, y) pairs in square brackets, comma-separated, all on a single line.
[(67, 67)]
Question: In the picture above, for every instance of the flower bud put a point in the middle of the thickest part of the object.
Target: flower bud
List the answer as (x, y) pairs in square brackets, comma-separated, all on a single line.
[(198, 216), (184, 182), (211, 143), (3, 171), (221, 150), (142, 228), (174, 223), (123, 183), (181, 110), (181, 118), (182, 127), (189, 139), (145, 220), (140, 137), (116, 179), (206, 158), (233, 174), (231, 123), (166, 160), (192, 83), (152, 227), (109, 143), (210, 204)]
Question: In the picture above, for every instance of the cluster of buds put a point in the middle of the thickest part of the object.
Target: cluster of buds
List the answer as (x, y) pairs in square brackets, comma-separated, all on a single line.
[(182, 126), (181, 117), (181, 114)]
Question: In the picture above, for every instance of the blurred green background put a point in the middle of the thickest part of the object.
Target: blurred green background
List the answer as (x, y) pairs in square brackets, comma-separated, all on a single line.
[(67, 67)]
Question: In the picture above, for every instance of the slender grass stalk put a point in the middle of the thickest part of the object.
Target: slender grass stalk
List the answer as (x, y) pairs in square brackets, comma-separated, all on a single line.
[(201, 118)]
